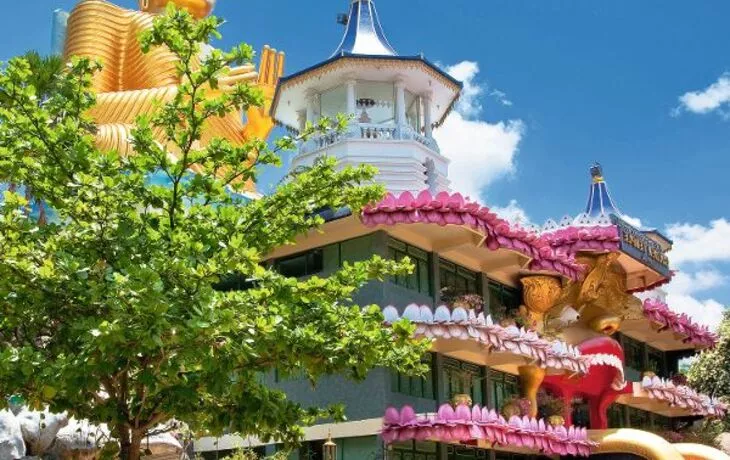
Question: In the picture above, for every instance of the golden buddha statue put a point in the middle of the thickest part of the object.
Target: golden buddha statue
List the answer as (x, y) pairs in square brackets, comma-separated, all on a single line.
[(131, 81)]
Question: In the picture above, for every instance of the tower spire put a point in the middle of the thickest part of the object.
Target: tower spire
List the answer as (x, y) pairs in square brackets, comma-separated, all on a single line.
[(599, 198), (363, 33)]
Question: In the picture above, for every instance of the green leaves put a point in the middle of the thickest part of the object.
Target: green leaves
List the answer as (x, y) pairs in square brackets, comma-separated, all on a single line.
[(110, 312), (710, 371)]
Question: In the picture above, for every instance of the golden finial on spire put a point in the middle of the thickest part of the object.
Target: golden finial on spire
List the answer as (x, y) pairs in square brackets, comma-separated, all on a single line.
[(198, 8), (597, 173)]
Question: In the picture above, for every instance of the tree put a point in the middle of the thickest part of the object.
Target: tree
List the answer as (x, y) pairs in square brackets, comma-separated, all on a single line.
[(42, 76), (710, 371), (111, 313)]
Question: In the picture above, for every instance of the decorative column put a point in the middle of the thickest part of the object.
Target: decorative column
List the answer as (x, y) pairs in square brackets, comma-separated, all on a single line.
[(427, 122), (312, 106), (351, 104), (400, 101), (531, 378), (539, 296), (540, 292)]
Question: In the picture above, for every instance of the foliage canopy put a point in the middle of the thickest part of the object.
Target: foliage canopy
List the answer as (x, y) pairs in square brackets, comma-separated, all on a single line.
[(710, 371), (110, 312)]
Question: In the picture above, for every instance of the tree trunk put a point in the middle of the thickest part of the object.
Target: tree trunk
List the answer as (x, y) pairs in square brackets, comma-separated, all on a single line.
[(130, 443)]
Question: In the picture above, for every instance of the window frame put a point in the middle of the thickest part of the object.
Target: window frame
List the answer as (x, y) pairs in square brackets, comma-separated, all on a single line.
[(317, 253), (502, 291), (417, 387), (504, 380), (476, 387), (449, 269), (421, 258)]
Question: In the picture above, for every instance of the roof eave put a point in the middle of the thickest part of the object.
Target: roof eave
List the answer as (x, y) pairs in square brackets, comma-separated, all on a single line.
[(457, 85)]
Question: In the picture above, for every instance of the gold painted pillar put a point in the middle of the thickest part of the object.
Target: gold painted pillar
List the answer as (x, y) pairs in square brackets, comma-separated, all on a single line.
[(531, 378), (539, 296)]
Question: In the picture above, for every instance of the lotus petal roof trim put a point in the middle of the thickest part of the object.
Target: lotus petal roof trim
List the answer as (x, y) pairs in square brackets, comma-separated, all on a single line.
[(659, 312), (453, 209), (464, 424)]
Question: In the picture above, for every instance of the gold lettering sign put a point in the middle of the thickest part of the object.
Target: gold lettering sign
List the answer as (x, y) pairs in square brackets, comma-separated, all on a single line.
[(642, 243)]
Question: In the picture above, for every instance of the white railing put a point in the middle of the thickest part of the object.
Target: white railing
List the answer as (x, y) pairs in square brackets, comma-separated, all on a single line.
[(369, 131)]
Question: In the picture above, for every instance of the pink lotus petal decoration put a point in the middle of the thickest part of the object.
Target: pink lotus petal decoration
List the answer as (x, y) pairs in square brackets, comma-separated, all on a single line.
[(589, 236), (660, 313), (449, 426), (454, 209), (446, 323), (684, 396), (571, 240)]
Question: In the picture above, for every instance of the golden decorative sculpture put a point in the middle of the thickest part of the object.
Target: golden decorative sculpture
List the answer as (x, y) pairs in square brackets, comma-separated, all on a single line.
[(131, 82), (601, 298), (540, 294)]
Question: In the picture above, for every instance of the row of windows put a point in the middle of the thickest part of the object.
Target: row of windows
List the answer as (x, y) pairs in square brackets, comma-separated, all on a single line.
[(458, 280), (654, 360), (420, 387), (464, 378), (458, 377), (455, 280), (455, 452), (328, 257), (420, 279), (415, 450), (621, 416)]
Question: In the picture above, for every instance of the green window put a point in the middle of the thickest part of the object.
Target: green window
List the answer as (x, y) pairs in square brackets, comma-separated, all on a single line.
[(503, 300), (311, 450), (615, 414), (656, 361), (461, 377), (638, 418), (661, 422), (413, 450), (466, 453), (581, 412), (304, 264), (633, 353), (420, 387), (420, 279), (503, 386), (458, 280)]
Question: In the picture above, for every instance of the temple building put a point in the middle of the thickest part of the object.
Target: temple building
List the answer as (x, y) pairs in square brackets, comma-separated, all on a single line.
[(395, 103), (540, 339), (544, 340)]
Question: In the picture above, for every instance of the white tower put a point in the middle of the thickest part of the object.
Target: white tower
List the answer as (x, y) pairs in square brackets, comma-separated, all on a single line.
[(395, 102)]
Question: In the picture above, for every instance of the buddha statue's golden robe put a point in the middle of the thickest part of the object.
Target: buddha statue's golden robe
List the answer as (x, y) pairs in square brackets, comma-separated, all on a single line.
[(131, 81)]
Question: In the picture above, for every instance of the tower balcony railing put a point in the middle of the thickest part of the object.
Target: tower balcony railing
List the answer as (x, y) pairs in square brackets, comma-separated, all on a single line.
[(370, 132)]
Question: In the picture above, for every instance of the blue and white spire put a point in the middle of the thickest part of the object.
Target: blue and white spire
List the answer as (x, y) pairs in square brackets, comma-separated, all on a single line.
[(600, 202), (364, 35)]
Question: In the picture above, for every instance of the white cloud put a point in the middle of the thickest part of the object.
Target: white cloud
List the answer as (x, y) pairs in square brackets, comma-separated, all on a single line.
[(469, 104), (698, 243), (685, 282), (695, 247), (712, 98), (684, 292), (480, 151), (513, 213), (707, 312)]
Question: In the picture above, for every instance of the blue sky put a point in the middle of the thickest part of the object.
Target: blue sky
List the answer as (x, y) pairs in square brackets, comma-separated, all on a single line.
[(585, 80)]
